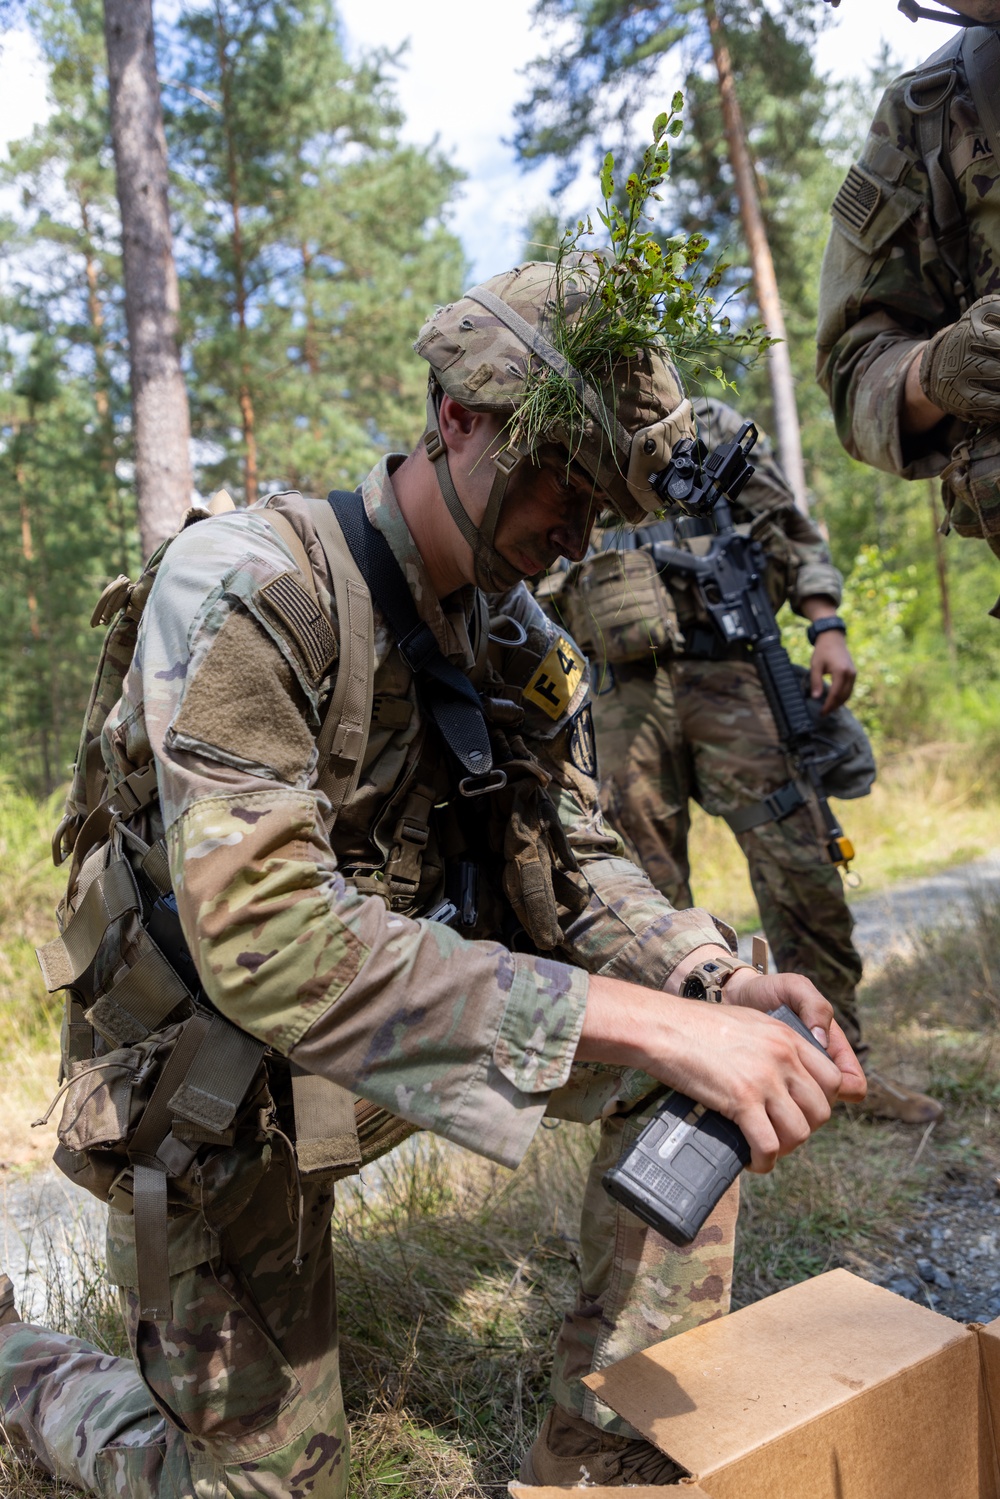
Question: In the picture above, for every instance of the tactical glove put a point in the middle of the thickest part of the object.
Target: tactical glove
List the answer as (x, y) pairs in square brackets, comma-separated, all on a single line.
[(960, 368)]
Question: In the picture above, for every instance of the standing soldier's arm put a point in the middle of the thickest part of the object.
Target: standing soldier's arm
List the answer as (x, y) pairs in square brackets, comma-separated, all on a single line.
[(885, 290)]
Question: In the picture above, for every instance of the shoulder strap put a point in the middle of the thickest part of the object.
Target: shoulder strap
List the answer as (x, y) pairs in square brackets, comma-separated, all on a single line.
[(927, 99), (343, 736), (981, 57), (452, 701)]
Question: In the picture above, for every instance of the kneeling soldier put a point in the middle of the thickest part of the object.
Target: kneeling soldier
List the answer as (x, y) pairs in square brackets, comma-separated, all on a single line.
[(339, 835)]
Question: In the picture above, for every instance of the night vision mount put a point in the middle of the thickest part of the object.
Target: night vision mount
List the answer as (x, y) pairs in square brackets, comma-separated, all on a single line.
[(697, 480)]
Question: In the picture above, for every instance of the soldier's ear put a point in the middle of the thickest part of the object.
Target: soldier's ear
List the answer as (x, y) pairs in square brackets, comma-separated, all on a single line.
[(460, 426)]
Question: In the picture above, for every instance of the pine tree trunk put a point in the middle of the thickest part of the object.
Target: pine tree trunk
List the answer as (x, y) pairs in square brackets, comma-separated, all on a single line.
[(161, 426), (248, 416), (762, 265), (102, 389)]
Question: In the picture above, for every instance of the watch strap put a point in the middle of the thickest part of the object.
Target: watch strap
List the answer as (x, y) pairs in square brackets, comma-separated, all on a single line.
[(708, 979), (820, 626)]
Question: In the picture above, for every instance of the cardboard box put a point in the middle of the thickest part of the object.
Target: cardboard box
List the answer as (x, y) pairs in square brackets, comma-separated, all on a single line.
[(833, 1389)]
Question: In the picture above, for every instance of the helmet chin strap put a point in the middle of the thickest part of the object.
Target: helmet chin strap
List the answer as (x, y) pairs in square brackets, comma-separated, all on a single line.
[(914, 12), (493, 573)]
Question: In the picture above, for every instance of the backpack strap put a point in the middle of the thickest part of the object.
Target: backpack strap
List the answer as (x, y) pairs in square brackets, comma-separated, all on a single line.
[(326, 1134), (981, 57), (927, 97), (450, 698), (343, 737)]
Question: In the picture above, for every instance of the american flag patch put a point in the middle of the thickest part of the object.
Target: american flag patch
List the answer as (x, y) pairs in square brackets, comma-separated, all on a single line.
[(858, 200)]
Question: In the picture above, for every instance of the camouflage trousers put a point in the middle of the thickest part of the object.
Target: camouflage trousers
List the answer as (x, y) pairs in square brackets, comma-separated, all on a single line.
[(239, 1394), (703, 730)]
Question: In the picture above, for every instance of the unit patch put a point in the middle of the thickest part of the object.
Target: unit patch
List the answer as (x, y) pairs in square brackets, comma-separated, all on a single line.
[(858, 200), (556, 680), (582, 745)]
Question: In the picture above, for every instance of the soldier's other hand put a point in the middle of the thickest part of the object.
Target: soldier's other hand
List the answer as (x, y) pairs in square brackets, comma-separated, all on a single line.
[(831, 658), (767, 991), (960, 367)]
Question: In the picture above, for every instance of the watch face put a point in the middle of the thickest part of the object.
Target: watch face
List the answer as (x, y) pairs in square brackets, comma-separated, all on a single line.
[(694, 987)]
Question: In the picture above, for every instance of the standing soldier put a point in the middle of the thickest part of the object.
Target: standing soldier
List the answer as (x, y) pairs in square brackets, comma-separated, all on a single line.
[(680, 715), (909, 324), (338, 835)]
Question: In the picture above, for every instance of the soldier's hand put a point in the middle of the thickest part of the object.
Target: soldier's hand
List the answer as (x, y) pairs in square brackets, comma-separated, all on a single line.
[(960, 367), (729, 1057), (831, 658), (766, 991)]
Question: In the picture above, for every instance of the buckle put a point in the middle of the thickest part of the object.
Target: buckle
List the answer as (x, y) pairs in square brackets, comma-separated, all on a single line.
[(413, 832), (507, 460), (434, 444), (135, 792), (492, 780)]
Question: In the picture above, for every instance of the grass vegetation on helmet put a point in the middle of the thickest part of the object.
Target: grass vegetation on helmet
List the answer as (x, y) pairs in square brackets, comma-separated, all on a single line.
[(583, 352), (642, 295)]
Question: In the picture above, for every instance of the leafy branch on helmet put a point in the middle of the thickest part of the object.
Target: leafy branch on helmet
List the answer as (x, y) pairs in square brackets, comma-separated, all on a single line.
[(642, 293)]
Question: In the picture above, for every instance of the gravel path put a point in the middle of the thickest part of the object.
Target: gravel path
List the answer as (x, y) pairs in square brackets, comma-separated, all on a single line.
[(886, 921)]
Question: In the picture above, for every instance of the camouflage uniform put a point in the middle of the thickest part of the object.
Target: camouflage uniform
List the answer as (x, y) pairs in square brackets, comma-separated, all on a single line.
[(915, 240), (238, 1393), (669, 729)]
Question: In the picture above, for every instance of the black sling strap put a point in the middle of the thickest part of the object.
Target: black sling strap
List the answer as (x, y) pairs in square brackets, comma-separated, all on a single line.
[(450, 698)]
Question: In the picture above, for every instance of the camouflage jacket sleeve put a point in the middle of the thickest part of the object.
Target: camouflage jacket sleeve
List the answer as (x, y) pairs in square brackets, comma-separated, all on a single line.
[(799, 561), (464, 1038), (886, 286), (626, 928)]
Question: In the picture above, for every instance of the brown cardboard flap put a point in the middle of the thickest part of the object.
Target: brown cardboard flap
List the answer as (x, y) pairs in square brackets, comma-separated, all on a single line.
[(601, 1491), (988, 1339), (735, 1385)]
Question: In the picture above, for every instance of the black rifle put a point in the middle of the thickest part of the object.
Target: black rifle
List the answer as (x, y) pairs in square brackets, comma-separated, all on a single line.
[(730, 579)]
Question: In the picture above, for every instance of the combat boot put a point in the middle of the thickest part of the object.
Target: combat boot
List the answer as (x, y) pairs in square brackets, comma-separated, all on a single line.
[(569, 1451), (891, 1100), (8, 1311)]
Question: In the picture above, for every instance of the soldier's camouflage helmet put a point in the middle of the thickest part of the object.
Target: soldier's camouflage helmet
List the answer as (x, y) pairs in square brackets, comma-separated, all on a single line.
[(481, 350)]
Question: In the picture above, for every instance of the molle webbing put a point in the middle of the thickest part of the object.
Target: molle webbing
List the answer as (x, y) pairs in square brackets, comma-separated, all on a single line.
[(111, 895)]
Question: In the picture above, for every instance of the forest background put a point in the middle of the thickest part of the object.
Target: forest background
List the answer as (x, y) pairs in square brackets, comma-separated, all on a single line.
[(311, 238)]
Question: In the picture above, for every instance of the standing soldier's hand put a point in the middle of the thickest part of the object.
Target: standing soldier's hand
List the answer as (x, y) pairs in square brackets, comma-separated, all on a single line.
[(960, 367), (831, 658)]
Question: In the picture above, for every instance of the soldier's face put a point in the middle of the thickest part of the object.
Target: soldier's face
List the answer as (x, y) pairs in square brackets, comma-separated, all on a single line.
[(548, 512)]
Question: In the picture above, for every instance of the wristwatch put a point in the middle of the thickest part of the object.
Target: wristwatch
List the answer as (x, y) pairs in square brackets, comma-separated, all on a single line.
[(707, 980), (828, 622)]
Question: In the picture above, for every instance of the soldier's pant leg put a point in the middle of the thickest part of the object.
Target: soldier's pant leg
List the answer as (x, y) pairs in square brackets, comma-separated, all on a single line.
[(738, 759), (237, 1395), (636, 1288), (646, 775)]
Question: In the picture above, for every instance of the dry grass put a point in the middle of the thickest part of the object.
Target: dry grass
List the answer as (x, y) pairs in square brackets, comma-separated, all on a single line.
[(930, 809), (453, 1274)]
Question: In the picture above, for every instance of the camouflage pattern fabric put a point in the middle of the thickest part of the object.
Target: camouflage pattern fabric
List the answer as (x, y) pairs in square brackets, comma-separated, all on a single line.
[(886, 286), (238, 1395), (239, 1392), (635, 1288), (703, 730)]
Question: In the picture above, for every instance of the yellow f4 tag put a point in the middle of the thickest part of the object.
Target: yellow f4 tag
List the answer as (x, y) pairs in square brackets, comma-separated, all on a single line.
[(556, 680)]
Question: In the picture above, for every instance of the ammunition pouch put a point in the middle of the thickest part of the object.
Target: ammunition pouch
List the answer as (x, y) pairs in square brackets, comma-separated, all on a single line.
[(619, 609), (970, 487)]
